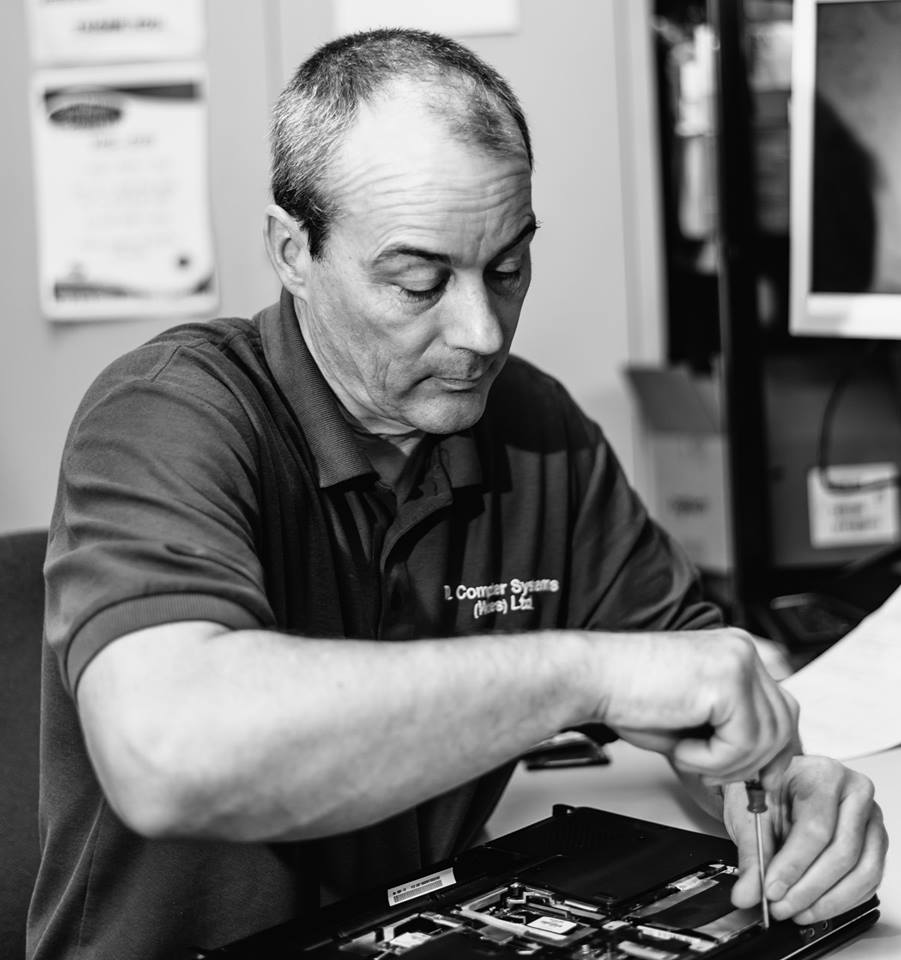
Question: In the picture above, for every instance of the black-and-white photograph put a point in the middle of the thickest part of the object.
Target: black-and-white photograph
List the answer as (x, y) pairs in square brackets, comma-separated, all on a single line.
[(449, 498)]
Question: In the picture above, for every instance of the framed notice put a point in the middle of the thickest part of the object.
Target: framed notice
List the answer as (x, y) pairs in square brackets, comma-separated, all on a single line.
[(115, 31), (124, 225), (462, 18)]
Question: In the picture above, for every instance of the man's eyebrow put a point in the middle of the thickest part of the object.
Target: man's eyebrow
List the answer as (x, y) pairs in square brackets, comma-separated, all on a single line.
[(403, 250), (527, 231)]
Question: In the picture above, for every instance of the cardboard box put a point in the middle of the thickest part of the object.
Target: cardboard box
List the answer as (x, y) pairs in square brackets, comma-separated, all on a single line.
[(691, 500)]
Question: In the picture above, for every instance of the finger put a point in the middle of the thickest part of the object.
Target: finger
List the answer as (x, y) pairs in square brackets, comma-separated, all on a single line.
[(828, 816), (735, 752), (660, 741), (859, 884), (756, 735), (731, 750), (840, 857), (816, 799)]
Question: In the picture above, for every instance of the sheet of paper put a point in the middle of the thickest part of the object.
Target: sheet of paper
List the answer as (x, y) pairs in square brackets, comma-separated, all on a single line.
[(115, 31), (124, 220), (462, 18), (849, 696)]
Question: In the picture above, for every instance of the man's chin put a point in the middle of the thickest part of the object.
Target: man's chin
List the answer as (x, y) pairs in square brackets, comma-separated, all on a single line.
[(451, 414)]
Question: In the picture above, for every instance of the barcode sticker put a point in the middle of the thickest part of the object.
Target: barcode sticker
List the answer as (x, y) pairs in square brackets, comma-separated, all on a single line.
[(417, 888)]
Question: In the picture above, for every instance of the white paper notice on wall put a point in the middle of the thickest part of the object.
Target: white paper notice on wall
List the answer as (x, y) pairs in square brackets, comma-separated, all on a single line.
[(124, 224), (115, 31), (847, 517), (462, 18)]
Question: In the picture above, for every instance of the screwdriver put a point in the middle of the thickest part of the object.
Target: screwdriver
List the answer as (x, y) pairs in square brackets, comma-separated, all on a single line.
[(757, 806)]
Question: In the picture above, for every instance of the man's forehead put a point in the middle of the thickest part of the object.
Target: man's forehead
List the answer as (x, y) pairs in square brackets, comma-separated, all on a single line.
[(462, 220), (403, 179), (400, 141)]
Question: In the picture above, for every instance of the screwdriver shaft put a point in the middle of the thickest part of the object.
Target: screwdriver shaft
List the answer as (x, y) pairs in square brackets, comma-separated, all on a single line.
[(757, 806), (761, 871)]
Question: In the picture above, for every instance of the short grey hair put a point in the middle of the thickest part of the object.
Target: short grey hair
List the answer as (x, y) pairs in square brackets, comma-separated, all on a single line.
[(320, 102)]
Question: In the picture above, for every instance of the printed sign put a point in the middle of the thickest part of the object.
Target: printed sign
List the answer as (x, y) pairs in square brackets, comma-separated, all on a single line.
[(854, 517), (124, 223), (115, 31)]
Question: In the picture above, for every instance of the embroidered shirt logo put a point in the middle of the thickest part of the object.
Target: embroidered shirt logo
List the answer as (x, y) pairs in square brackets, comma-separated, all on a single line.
[(505, 596)]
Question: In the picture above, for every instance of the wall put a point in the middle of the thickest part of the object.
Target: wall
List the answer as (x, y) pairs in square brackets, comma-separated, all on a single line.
[(580, 69), (45, 368)]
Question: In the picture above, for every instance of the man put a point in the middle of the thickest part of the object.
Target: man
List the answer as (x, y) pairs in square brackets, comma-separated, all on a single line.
[(257, 519)]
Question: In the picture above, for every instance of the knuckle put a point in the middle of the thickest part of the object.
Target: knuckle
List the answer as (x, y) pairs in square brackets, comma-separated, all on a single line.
[(818, 832), (845, 862), (740, 663), (823, 771), (790, 873), (793, 706), (864, 786)]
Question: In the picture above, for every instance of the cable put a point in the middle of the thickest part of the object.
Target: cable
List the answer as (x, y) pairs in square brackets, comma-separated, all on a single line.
[(844, 378)]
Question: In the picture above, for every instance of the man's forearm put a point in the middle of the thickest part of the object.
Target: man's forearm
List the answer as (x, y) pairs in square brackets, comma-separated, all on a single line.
[(251, 735)]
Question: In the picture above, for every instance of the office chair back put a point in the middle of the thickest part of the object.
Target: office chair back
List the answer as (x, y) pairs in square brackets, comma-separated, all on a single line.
[(21, 629)]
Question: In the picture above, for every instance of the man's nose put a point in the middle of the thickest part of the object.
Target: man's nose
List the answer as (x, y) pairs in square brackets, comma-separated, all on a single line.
[(474, 323)]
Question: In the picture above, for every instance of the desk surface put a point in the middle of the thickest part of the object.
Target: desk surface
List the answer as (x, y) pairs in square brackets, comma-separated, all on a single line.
[(641, 784)]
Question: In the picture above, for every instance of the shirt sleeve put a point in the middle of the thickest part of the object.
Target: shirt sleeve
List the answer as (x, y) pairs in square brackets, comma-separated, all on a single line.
[(155, 515), (627, 572)]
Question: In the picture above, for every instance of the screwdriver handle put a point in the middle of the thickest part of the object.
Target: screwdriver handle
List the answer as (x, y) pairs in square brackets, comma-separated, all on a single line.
[(756, 796)]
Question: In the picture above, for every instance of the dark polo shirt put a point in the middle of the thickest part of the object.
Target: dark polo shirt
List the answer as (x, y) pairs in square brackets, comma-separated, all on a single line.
[(210, 475)]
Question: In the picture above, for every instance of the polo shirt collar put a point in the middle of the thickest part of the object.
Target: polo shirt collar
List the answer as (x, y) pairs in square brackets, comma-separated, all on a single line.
[(332, 442), (460, 456)]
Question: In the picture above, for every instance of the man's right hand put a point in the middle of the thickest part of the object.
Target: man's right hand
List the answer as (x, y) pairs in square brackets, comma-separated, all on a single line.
[(701, 698)]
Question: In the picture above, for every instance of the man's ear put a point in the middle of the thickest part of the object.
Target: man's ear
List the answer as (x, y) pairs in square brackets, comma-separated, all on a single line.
[(287, 243)]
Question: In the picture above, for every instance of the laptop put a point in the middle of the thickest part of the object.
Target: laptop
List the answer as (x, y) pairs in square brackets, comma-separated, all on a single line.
[(583, 884)]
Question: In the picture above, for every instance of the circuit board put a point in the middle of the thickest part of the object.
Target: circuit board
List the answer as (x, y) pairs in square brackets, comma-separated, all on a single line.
[(688, 918)]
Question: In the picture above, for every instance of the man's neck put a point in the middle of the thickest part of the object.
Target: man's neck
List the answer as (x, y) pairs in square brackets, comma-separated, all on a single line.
[(389, 455), (388, 450)]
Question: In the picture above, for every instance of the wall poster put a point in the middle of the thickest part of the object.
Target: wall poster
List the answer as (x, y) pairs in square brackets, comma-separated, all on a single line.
[(124, 224)]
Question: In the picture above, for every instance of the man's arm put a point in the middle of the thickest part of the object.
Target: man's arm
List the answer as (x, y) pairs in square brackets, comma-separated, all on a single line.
[(251, 735)]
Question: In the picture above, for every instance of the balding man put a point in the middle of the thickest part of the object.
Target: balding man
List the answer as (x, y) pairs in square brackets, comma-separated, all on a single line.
[(317, 578)]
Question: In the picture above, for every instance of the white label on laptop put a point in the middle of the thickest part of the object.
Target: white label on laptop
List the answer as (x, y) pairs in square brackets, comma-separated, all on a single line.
[(412, 938), (420, 887), (555, 926), (844, 518)]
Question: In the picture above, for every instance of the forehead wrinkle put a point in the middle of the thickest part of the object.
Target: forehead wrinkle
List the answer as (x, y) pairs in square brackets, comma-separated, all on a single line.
[(421, 187), (451, 240), (399, 159), (434, 215)]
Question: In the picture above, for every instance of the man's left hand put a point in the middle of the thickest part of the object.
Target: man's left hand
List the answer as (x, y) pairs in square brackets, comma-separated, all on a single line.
[(828, 837)]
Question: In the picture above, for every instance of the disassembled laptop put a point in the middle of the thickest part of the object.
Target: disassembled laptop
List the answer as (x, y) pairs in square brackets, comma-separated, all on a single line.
[(582, 884)]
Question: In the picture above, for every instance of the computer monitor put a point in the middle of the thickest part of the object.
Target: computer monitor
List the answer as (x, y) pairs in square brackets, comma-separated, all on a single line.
[(845, 171)]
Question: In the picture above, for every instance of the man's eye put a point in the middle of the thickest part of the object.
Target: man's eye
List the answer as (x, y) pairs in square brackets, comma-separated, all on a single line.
[(423, 296), (507, 278)]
